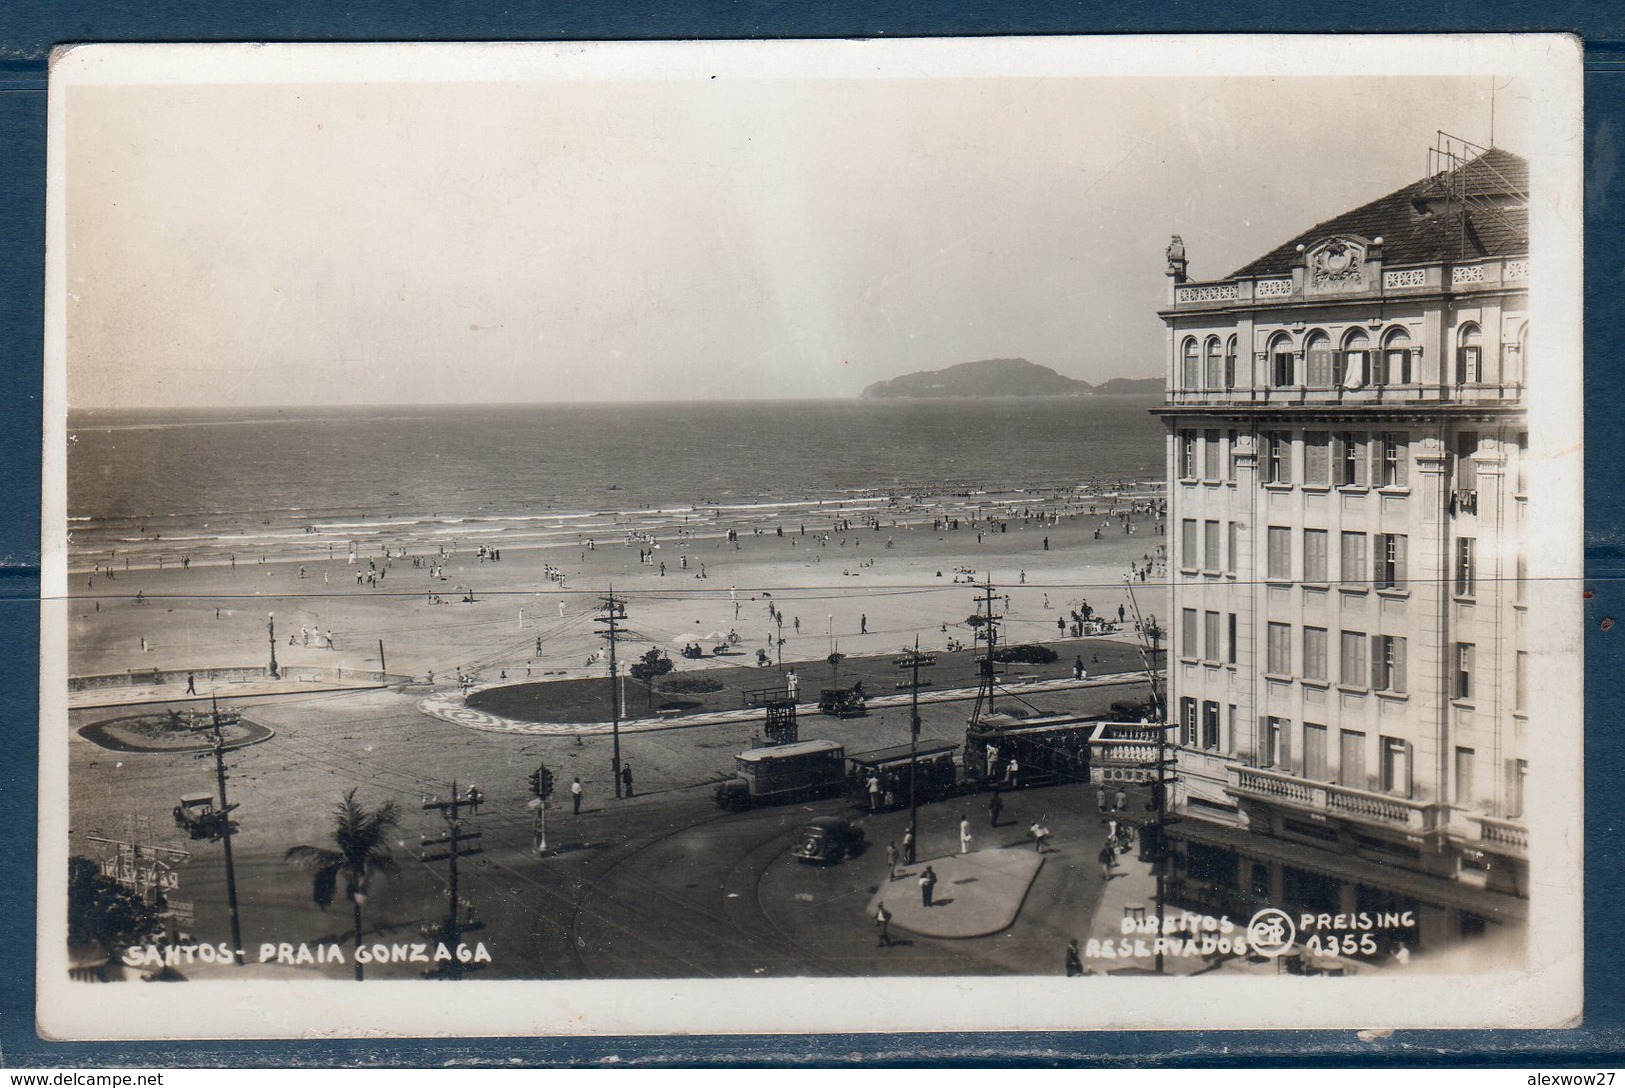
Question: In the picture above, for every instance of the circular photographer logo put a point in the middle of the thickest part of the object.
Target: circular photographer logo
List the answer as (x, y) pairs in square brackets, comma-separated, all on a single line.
[(1271, 932)]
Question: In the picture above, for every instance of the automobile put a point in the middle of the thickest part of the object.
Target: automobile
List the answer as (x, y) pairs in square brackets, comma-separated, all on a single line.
[(828, 838)]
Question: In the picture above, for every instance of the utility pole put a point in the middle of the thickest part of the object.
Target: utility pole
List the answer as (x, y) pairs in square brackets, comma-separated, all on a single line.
[(455, 843), (270, 627), (987, 631), (614, 609), (1163, 770), (224, 827), (914, 662)]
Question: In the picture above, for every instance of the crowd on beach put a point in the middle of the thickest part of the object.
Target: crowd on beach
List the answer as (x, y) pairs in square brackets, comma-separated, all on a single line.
[(861, 541)]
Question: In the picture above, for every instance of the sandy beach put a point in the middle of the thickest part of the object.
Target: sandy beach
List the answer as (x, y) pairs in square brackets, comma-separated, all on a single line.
[(864, 590)]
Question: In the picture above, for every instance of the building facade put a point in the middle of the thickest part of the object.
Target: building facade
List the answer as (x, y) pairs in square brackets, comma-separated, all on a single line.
[(1345, 429)]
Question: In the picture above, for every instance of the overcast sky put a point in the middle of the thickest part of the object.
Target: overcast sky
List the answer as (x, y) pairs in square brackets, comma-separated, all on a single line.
[(676, 239)]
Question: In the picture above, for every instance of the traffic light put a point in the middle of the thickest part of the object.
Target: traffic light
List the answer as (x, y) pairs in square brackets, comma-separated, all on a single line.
[(541, 782)]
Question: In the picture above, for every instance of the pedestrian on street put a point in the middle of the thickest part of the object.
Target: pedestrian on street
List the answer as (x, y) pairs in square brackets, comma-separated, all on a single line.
[(1100, 799), (792, 683), (964, 834), (1074, 963), (994, 807), (908, 845), (1011, 770), (874, 793), (928, 881), (575, 797), (1040, 834), (1120, 802), (1108, 860), (626, 779), (1111, 830), (891, 862), (883, 924)]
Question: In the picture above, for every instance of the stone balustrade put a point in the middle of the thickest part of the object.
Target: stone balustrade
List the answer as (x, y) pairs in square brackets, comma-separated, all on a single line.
[(1363, 806)]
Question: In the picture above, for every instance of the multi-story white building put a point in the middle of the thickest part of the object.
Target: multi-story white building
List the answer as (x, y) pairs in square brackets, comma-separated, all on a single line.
[(1346, 422)]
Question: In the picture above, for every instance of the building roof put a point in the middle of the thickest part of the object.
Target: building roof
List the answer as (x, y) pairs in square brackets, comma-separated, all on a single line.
[(785, 751), (927, 746), (1423, 222)]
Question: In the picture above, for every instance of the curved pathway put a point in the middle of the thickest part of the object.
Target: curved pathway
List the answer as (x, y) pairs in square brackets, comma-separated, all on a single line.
[(450, 706)]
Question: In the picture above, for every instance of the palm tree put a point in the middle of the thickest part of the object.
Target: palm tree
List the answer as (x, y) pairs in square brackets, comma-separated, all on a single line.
[(362, 838)]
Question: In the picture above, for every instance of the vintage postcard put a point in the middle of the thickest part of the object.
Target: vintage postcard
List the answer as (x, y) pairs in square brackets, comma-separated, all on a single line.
[(613, 538)]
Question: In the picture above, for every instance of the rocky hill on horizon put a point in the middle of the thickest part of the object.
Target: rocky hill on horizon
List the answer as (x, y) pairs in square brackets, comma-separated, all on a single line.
[(1001, 378)]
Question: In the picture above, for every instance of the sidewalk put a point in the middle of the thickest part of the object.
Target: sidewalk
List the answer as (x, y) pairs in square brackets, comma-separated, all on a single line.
[(976, 895), (145, 694)]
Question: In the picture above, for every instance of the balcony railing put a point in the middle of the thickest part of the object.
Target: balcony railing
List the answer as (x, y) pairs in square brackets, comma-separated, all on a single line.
[(1297, 395), (1363, 806), (1499, 832)]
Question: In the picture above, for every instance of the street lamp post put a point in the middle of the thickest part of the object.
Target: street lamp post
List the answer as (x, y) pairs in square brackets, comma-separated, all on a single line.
[(270, 627)]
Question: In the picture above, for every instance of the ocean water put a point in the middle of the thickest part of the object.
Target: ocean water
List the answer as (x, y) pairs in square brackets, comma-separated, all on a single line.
[(212, 483)]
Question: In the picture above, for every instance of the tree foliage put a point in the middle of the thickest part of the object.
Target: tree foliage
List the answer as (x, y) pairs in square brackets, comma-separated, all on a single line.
[(360, 852), (104, 913), (361, 836), (651, 667)]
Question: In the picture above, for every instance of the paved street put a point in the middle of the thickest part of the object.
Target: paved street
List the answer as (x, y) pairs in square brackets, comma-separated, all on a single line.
[(661, 885)]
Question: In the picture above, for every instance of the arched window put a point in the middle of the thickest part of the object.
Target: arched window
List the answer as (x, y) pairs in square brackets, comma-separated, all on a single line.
[(1354, 363), (1469, 355), (1282, 363), (1395, 364), (1211, 375), (1230, 362), (1190, 373), (1317, 358)]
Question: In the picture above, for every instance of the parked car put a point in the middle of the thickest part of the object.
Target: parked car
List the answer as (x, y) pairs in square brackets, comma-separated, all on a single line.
[(828, 838)]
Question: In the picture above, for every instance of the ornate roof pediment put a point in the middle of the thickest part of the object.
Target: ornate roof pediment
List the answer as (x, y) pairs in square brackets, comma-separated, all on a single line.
[(1336, 264)]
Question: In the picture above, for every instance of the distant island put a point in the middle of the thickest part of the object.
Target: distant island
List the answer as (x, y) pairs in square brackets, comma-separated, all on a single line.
[(1002, 378)]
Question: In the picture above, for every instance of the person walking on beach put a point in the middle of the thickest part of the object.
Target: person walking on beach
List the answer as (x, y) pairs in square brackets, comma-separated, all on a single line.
[(792, 684), (863, 624), (191, 684), (1078, 671), (964, 834), (928, 882), (891, 862), (575, 796)]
